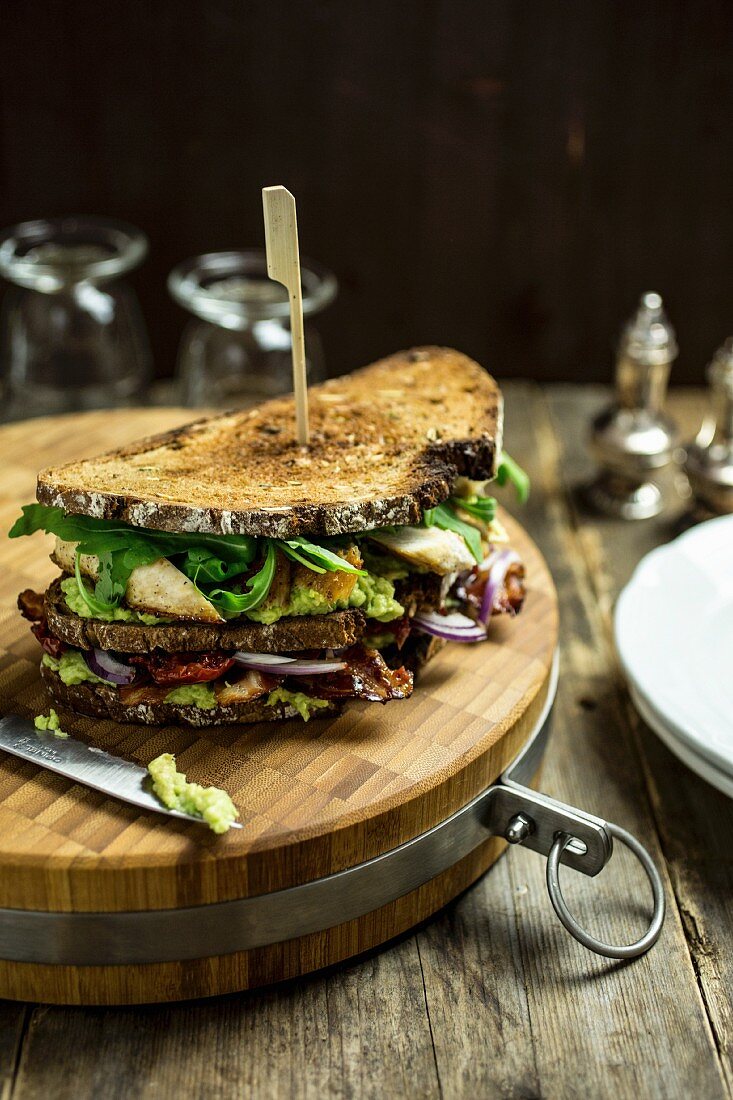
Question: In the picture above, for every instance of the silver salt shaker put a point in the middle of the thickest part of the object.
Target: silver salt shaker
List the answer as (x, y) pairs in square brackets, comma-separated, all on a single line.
[(633, 439), (709, 460)]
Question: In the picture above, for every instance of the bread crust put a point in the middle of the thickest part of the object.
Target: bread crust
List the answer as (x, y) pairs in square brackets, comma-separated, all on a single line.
[(387, 442), (333, 631)]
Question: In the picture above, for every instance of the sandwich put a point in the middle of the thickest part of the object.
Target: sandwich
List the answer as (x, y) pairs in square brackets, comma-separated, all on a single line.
[(219, 573)]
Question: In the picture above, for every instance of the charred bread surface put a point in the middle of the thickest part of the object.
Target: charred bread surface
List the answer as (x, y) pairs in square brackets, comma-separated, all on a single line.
[(387, 442)]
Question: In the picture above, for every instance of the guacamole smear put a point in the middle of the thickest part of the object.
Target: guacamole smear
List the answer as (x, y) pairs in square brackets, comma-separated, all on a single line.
[(211, 804), (195, 695), (76, 603), (305, 705), (50, 722), (372, 594), (72, 668)]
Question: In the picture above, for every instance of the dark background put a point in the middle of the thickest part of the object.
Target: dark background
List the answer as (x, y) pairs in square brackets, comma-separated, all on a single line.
[(505, 177)]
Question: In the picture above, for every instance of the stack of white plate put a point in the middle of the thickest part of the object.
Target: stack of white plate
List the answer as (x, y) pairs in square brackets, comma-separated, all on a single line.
[(674, 635)]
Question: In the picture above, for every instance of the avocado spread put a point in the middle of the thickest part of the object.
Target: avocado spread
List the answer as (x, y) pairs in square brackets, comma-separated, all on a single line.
[(75, 602), (305, 705), (72, 668), (50, 722), (373, 594), (194, 695), (174, 791)]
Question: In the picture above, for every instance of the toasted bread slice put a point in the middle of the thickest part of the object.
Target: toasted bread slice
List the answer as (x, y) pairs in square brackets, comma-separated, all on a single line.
[(387, 442), (334, 631)]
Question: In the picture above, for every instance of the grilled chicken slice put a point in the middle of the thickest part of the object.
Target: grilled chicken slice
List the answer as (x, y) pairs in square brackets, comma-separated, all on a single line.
[(437, 550), (159, 588), (250, 686)]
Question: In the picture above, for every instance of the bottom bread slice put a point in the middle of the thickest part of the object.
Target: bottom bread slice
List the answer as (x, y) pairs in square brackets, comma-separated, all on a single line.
[(103, 701)]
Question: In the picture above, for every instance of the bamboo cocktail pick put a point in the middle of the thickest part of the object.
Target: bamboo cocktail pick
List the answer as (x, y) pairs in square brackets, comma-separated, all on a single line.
[(283, 265)]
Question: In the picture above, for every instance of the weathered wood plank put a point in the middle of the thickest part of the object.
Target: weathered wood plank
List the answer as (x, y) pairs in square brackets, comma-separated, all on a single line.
[(695, 821), (361, 1032), (583, 1027), (13, 1019)]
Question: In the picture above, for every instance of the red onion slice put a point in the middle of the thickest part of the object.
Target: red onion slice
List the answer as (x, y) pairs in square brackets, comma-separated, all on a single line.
[(107, 667), (499, 563), (454, 627), (287, 666)]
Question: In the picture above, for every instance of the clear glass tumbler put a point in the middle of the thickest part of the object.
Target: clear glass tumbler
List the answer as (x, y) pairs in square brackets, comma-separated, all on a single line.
[(71, 333), (237, 350)]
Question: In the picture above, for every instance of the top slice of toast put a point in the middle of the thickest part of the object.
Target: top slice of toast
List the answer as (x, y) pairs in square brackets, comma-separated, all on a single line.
[(387, 442)]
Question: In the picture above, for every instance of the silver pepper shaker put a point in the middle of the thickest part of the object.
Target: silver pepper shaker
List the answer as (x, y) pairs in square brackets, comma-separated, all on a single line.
[(633, 439), (709, 460)]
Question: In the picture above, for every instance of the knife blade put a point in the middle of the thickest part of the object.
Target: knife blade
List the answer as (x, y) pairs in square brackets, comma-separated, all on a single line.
[(85, 764)]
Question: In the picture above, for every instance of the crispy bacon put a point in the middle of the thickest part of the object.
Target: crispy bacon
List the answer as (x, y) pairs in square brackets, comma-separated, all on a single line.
[(31, 605), (401, 629), (173, 669), (32, 608), (366, 676), (144, 693), (510, 597)]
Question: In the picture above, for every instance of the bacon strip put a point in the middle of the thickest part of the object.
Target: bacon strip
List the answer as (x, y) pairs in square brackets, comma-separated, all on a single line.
[(31, 605), (32, 608), (508, 600), (366, 676)]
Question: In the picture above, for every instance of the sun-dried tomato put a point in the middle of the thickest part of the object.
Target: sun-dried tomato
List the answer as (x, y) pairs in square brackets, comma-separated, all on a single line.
[(172, 669), (48, 641)]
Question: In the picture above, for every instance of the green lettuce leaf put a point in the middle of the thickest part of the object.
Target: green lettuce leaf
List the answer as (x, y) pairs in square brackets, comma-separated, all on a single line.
[(443, 516), (483, 508), (317, 558), (257, 587), (510, 471)]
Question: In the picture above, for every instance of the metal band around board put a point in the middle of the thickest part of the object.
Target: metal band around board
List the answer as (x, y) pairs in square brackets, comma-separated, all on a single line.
[(141, 937)]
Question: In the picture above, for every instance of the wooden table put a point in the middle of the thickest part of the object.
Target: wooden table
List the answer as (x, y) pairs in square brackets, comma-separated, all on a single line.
[(491, 997)]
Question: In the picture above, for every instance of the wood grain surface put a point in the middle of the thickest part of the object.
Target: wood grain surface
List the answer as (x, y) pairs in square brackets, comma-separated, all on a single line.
[(490, 998), (313, 798)]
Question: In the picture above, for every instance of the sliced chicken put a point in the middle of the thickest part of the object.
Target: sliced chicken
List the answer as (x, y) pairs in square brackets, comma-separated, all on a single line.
[(250, 686), (159, 588), (437, 550)]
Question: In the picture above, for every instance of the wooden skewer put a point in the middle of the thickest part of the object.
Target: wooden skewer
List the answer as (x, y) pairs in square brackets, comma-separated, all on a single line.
[(283, 266)]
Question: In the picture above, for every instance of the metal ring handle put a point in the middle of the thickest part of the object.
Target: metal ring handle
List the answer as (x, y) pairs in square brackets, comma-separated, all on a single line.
[(611, 951)]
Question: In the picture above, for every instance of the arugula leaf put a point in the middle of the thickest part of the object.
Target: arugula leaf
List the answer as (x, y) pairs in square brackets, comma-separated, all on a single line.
[(483, 508), (296, 557), (99, 535), (444, 517), (258, 587), (511, 471), (205, 559), (317, 558), (112, 582), (200, 562), (95, 605)]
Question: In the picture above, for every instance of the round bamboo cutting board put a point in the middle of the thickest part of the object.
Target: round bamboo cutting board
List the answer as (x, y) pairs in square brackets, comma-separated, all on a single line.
[(314, 799)]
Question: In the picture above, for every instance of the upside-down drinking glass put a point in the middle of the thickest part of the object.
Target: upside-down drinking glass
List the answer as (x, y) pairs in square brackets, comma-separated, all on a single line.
[(71, 333), (237, 350)]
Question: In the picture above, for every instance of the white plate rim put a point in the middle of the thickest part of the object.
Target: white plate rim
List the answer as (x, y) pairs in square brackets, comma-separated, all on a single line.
[(625, 610), (696, 763)]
